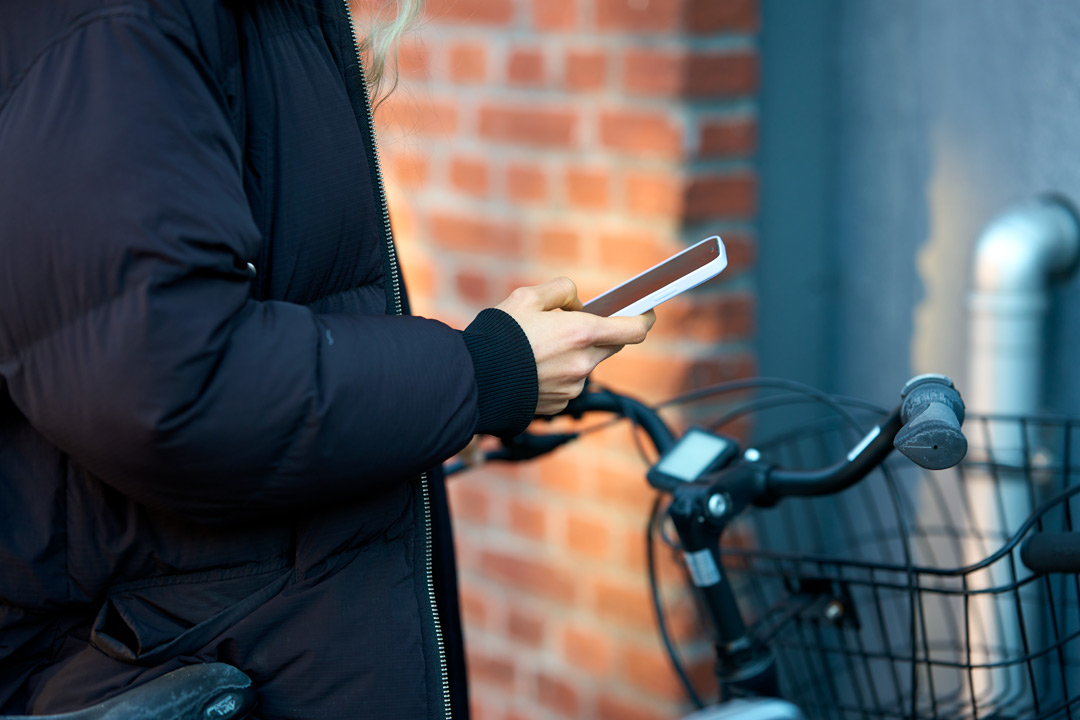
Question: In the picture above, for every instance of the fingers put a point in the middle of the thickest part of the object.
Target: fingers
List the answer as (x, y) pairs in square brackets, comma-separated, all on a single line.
[(557, 294), (567, 346), (621, 330)]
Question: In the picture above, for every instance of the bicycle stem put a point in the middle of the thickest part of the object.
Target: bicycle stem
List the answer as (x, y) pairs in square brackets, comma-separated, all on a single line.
[(744, 666)]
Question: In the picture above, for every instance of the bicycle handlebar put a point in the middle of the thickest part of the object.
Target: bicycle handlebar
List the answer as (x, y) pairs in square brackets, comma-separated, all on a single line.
[(925, 427), (1048, 552)]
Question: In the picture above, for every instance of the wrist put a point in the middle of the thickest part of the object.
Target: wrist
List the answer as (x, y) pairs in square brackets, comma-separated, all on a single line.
[(505, 368)]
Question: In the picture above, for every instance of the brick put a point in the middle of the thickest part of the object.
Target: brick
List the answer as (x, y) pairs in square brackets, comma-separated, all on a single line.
[(669, 566), (472, 12), (626, 604), (528, 575), (472, 286), (412, 115), (528, 125), (720, 196), (487, 668), (518, 714), (589, 649), (653, 194), (618, 439), (408, 169), (514, 280), (560, 473), (658, 72), (630, 252), (455, 318), (558, 695), (469, 234), (727, 137), (560, 247), (648, 668), (653, 72), (591, 285), (707, 319), (414, 60), (585, 70), (652, 377), (624, 488), (722, 74), (420, 276), (468, 62), (684, 620), (525, 628), (470, 501), (526, 183), (479, 709), (587, 188), (588, 535), (527, 519), (740, 252), (469, 175), (525, 67), (705, 197), (641, 132), (712, 16), (476, 610), (613, 706), (554, 14), (634, 16)]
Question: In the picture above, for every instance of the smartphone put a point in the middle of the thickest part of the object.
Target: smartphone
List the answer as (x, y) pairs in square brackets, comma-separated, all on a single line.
[(680, 272)]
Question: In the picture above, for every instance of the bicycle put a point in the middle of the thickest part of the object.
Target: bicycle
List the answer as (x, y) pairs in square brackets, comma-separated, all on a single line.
[(885, 627), (942, 598)]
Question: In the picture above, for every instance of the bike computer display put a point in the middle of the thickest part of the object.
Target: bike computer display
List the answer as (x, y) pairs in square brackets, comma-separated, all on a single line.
[(695, 454)]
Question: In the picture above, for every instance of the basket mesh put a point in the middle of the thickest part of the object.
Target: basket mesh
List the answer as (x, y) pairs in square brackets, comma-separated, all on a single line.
[(904, 596)]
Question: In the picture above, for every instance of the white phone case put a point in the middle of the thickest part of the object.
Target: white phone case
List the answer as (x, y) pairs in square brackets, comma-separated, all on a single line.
[(670, 290)]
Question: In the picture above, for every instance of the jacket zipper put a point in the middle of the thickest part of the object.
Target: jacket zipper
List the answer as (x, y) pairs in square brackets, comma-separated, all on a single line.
[(429, 573), (395, 280), (391, 251)]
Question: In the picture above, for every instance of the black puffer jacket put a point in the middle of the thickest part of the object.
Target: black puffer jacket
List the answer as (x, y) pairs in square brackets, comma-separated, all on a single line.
[(199, 460)]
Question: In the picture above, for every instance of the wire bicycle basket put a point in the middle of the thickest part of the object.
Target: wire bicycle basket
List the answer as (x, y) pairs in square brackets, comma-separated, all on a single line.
[(904, 596)]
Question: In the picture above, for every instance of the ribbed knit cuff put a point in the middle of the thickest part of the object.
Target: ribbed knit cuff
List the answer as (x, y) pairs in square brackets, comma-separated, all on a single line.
[(505, 368)]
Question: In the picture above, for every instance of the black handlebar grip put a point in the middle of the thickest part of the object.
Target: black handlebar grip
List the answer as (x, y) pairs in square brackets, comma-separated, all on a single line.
[(1052, 552), (932, 413)]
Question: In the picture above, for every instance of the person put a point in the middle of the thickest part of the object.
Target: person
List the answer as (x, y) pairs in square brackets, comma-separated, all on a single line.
[(220, 427)]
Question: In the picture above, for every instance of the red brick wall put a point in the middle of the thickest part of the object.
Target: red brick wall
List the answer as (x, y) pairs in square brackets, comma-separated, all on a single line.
[(589, 138)]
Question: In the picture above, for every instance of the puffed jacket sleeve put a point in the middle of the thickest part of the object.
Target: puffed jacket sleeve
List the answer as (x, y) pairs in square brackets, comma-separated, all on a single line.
[(128, 336)]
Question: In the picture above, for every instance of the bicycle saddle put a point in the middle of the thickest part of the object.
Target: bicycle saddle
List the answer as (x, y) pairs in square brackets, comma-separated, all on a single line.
[(214, 691)]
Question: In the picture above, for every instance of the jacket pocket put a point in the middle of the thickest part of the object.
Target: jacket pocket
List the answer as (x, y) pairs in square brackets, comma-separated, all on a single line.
[(151, 621)]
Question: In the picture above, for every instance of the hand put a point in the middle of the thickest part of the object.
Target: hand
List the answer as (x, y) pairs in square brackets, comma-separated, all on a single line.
[(567, 344)]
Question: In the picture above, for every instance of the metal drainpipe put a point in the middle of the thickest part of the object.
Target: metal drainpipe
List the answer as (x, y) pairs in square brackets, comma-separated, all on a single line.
[(1015, 258)]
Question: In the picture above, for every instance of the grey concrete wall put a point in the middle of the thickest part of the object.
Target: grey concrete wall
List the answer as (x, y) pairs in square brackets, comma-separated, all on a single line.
[(892, 132)]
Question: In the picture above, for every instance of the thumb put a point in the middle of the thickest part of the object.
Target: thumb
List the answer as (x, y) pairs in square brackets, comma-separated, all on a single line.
[(560, 293)]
